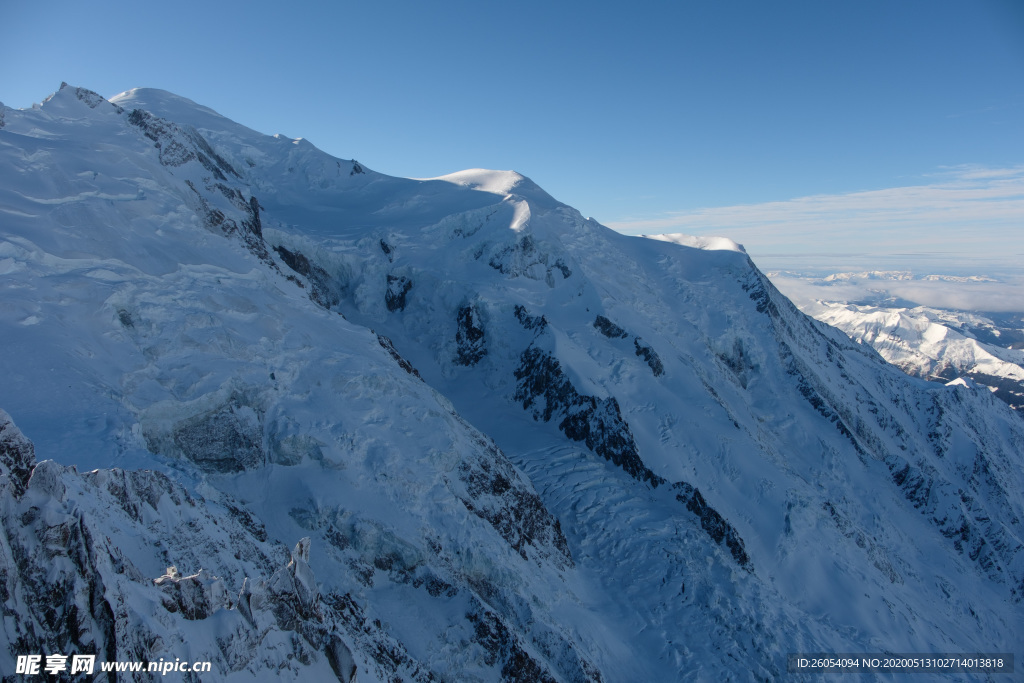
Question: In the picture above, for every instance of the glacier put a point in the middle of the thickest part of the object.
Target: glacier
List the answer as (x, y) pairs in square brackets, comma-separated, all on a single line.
[(281, 412)]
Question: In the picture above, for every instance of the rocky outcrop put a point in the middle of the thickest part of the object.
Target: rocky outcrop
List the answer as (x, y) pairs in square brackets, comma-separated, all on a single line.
[(179, 145), (17, 456), (321, 291), (609, 329), (470, 342), (503, 650), (497, 494), (720, 531), (535, 323), (402, 362), (70, 548), (544, 388), (394, 295), (90, 98), (526, 258), (228, 438), (650, 356)]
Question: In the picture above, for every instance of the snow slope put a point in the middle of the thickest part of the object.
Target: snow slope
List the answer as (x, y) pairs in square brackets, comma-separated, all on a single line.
[(522, 446)]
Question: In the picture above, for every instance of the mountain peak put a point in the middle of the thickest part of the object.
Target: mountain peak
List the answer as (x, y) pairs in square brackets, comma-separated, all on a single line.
[(68, 98), (502, 183)]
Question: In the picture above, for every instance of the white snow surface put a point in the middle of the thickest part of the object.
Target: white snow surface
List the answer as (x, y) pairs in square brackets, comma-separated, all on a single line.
[(709, 242), (483, 520)]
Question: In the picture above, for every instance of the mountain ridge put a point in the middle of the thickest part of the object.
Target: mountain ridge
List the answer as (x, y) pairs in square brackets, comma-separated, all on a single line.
[(607, 430)]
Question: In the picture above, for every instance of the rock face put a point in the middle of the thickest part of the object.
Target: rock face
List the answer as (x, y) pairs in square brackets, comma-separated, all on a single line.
[(650, 356), (398, 287), (225, 439), (713, 523), (470, 343), (17, 456), (58, 570), (545, 390), (511, 444), (70, 588), (319, 281), (609, 329)]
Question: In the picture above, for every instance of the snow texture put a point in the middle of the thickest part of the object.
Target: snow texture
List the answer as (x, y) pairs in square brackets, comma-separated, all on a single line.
[(307, 421)]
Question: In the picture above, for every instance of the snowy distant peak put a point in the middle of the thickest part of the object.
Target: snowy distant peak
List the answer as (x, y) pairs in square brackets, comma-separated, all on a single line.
[(706, 242), (903, 275), (68, 101)]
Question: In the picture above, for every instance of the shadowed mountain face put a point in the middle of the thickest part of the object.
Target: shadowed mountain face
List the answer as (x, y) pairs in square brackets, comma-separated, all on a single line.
[(449, 429)]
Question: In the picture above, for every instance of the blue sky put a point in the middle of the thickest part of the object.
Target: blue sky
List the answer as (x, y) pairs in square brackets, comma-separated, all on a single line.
[(677, 115)]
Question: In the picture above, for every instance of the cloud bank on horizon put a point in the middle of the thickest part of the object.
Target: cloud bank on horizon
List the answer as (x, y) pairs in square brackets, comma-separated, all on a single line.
[(969, 219)]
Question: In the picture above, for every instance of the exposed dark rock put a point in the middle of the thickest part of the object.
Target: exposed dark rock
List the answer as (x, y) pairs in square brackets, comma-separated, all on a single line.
[(126, 318), (814, 397), (713, 523), (356, 168), (738, 361), (388, 250), (609, 329), (515, 258), (499, 496), (398, 287), (226, 439), (194, 597), (59, 578), (246, 520), (321, 291), (502, 647), (644, 350), (253, 223), (522, 258), (470, 343), (341, 660), (862, 541), (402, 362), (90, 98), (179, 145), (530, 322), (17, 455), (251, 232), (166, 137), (393, 660), (758, 287), (135, 490), (543, 387)]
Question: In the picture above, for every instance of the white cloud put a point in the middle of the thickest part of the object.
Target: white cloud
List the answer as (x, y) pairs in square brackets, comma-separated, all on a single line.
[(967, 214), (1005, 295)]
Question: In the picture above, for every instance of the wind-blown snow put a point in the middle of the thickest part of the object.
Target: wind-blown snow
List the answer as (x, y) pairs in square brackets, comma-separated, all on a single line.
[(708, 242)]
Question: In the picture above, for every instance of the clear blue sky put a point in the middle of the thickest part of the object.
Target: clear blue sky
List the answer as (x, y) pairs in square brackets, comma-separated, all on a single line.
[(630, 112)]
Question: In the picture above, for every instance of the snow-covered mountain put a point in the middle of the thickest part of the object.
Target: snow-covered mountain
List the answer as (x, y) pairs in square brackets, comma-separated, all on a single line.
[(937, 344), (281, 412)]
